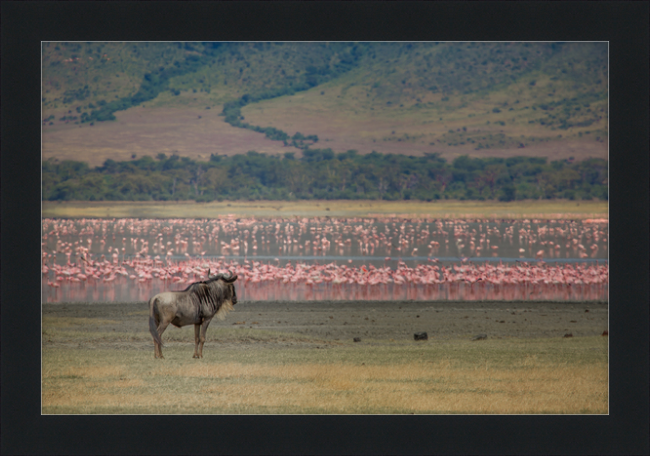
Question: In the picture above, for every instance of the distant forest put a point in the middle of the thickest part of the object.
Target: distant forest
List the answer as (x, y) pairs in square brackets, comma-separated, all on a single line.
[(323, 174)]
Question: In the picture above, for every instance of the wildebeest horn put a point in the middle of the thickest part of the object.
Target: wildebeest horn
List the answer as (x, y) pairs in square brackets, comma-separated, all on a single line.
[(226, 278)]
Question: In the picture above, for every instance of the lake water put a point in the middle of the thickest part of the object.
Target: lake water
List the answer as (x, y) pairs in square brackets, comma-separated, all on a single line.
[(123, 259)]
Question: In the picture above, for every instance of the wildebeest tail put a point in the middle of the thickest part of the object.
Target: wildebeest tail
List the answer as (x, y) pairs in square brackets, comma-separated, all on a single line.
[(153, 329)]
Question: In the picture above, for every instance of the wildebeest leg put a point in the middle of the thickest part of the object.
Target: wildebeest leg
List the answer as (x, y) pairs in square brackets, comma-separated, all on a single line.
[(161, 329), (204, 328), (157, 350), (197, 329)]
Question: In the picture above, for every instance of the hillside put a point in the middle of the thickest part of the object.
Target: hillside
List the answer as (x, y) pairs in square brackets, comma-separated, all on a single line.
[(117, 100)]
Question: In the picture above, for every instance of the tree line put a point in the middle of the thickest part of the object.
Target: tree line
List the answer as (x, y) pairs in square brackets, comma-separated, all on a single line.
[(153, 83), (324, 174), (312, 77)]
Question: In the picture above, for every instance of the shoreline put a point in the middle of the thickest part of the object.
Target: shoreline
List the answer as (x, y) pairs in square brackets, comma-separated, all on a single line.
[(557, 209), (331, 320), (357, 303)]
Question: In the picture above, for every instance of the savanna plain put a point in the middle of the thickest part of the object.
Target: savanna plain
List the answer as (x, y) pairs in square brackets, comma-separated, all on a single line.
[(122, 101), (301, 358)]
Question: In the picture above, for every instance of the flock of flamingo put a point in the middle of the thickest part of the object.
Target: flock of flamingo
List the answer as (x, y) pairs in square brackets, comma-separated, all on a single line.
[(333, 259)]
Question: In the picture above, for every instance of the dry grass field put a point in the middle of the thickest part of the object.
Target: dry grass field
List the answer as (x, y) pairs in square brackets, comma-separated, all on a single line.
[(149, 131), (343, 119), (562, 209), (440, 381), (98, 358), (197, 132)]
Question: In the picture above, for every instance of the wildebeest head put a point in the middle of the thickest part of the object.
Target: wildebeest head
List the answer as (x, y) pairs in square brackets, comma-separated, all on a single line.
[(230, 281), (228, 291), (215, 295)]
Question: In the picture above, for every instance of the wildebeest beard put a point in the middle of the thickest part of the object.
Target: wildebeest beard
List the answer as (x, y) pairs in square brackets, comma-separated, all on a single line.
[(213, 296)]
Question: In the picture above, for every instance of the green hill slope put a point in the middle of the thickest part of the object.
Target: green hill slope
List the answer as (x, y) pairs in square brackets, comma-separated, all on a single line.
[(78, 74), (480, 99)]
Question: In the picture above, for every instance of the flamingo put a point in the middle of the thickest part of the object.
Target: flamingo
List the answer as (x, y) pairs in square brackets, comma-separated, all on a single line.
[(415, 234)]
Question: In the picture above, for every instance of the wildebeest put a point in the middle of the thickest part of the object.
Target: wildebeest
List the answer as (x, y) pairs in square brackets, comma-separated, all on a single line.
[(196, 305)]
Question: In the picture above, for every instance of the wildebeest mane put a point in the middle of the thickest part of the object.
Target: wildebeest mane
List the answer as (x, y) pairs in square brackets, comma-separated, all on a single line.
[(209, 295)]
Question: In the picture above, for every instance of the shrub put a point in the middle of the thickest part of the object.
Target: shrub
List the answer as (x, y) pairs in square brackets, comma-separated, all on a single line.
[(508, 193)]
